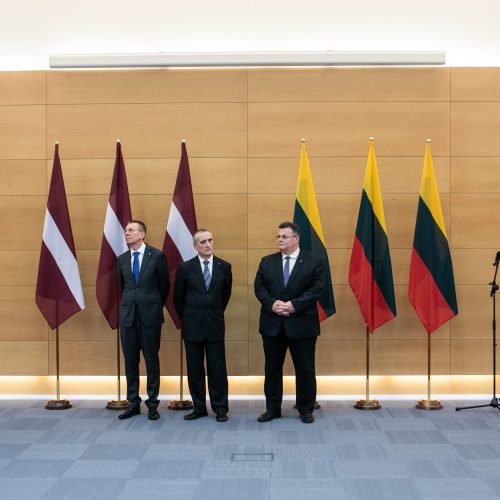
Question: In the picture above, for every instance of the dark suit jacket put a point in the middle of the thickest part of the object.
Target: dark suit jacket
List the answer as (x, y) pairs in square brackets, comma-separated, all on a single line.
[(304, 287), (149, 294), (202, 310)]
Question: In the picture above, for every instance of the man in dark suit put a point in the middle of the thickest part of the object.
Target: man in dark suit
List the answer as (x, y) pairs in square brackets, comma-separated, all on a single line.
[(201, 294), (288, 285), (144, 282)]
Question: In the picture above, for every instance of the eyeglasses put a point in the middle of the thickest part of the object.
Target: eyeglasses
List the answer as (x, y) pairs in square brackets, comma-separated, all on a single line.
[(284, 236)]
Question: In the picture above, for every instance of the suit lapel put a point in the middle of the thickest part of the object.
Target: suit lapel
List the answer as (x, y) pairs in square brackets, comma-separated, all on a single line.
[(278, 268), (196, 269), (146, 260), (215, 271), (126, 264)]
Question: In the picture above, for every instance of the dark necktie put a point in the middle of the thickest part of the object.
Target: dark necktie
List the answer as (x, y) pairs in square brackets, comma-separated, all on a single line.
[(135, 266), (206, 273), (286, 270)]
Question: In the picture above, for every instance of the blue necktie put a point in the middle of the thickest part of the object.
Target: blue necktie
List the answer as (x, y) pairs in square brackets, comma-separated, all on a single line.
[(206, 274), (135, 266), (286, 270)]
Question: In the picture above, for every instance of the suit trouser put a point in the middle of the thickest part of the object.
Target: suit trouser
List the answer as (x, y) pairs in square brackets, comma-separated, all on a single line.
[(135, 339), (216, 370), (303, 357)]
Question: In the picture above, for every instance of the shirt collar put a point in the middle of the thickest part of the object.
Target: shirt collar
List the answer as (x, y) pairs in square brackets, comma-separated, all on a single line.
[(293, 255), (141, 249), (210, 259)]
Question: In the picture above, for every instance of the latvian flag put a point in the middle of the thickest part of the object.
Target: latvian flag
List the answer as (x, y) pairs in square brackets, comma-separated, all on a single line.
[(181, 225), (432, 287), (118, 213), (59, 292)]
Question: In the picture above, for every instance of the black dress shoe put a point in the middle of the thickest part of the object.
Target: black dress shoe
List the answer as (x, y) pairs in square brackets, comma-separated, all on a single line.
[(221, 416), (153, 413), (195, 415), (130, 412), (269, 415), (307, 418)]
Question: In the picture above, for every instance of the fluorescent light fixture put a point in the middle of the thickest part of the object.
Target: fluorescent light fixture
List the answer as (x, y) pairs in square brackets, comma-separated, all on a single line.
[(232, 59)]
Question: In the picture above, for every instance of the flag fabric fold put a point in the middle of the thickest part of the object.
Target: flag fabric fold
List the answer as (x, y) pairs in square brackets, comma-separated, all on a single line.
[(59, 292), (306, 215), (118, 213), (370, 269), (431, 288), (181, 225)]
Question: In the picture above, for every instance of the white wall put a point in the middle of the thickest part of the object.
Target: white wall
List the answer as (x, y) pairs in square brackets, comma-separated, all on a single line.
[(30, 30)]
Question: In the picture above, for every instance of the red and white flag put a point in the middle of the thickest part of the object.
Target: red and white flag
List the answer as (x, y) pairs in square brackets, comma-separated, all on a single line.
[(181, 225), (59, 292), (118, 213)]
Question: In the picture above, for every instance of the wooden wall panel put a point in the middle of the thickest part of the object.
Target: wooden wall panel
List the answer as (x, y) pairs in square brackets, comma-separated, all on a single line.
[(476, 219), (23, 219), (409, 357), (475, 313), (152, 176), (474, 84), (83, 357), (474, 128), (23, 87), (344, 175), (473, 266), (243, 129), (146, 86), (23, 177), (148, 130), (22, 132), (475, 175), (20, 268), (471, 357), (20, 357), (343, 128), (21, 318), (236, 317), (349, 84)]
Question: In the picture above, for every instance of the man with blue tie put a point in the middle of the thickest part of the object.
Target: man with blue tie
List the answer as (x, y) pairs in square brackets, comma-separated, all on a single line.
[(144, 283), (288, 284), (201, 293)]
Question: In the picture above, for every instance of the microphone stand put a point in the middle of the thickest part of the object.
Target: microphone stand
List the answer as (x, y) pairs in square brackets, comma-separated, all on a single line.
[(494, 287)]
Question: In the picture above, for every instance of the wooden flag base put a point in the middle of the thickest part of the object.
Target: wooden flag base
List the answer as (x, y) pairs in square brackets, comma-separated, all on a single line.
[(58, 404), (117, 404), (429, 404), (181, 404), (367, 404)]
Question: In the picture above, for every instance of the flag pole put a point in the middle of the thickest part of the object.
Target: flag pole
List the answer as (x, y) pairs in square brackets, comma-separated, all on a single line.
[(119, 403), (181, 403), (429, 404), (367, 404), (58, 403)]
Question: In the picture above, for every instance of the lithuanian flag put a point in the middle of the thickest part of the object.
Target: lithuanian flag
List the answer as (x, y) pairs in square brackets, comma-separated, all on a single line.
[(370, 270), (432, 288), (306, 215)]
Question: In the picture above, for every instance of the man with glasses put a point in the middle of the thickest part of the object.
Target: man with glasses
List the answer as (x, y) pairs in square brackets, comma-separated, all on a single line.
[(288, 284), (144, 282)]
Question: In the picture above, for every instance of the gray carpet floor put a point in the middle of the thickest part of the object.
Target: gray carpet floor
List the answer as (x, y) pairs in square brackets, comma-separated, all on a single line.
[(397, 452)]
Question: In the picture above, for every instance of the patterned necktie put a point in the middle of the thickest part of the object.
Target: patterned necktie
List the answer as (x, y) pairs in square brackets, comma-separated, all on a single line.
[(206, 273), (135, 266), (286, 270)]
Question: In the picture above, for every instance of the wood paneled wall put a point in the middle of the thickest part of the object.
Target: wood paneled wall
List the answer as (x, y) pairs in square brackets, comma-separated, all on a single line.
[(243, 130)]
